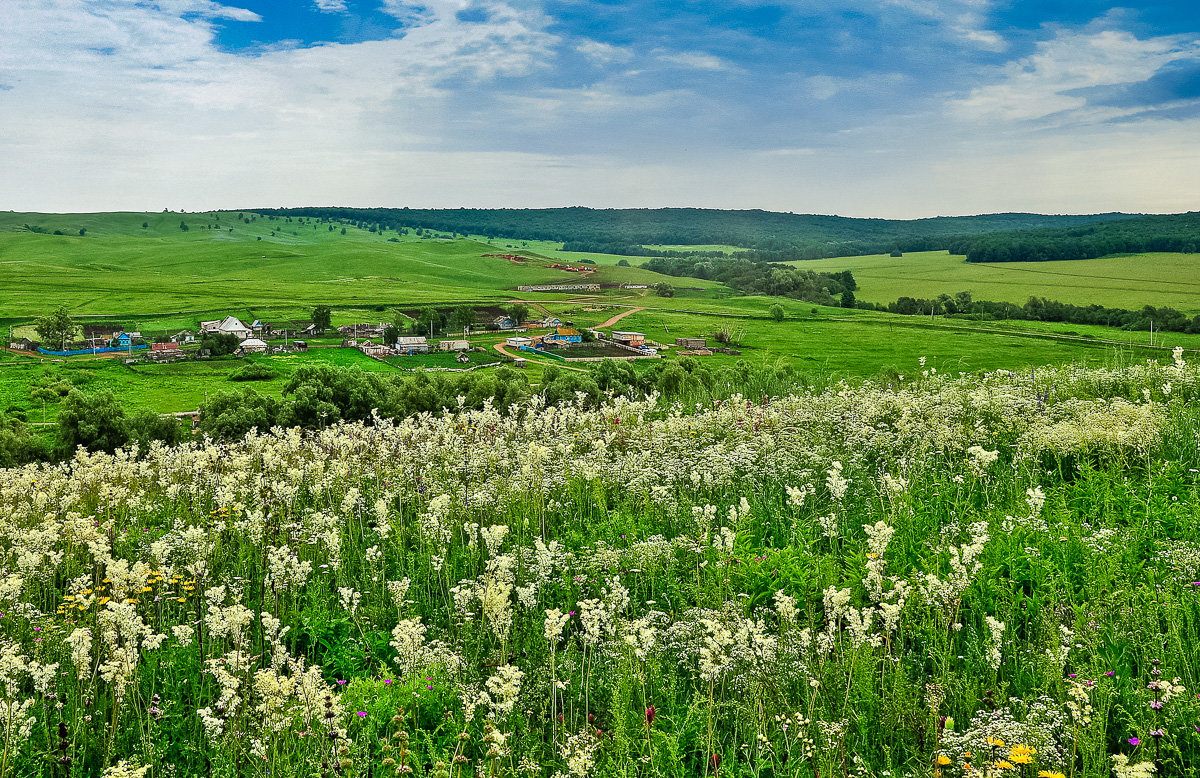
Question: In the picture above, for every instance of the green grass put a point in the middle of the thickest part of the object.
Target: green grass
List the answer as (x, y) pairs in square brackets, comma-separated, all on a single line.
[(1171, 280)]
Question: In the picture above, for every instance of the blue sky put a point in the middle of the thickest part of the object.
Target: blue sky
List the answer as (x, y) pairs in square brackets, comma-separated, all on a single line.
[(899, 108)]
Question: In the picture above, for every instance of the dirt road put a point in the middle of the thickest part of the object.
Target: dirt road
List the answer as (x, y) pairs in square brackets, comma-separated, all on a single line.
[(618, 317)]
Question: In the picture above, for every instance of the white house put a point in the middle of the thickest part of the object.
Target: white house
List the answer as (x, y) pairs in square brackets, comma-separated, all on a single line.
[(230, 325), (518, 342)]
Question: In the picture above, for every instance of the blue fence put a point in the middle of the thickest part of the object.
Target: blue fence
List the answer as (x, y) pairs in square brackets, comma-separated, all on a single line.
[(78, 351)]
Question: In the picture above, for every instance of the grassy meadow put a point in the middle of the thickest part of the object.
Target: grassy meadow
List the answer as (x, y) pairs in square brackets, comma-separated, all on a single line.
[(1161, 280)]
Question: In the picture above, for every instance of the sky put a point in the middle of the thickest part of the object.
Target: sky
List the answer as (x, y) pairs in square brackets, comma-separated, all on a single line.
[(886, 108)]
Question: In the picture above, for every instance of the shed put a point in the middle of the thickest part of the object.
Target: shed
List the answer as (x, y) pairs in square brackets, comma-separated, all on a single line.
[(635, 339), (691, 343), (518, 342), (414, 344), (253, 346), (453, 345)]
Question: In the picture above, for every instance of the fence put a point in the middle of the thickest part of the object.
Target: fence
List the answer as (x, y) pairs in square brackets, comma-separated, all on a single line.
[(79, 351)]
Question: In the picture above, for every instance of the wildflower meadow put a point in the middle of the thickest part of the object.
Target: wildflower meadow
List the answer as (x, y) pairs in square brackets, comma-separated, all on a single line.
[(946, 576)]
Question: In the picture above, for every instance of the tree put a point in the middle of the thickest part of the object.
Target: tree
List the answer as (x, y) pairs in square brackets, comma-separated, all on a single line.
[(429, 322), (145, 225), (518, 312), (322, 318), (663, 289), (230, 415), (183, 226), (391, 333), (19, 445), (221, 344), (623, 263), (93, 421), (82, 231), (848, 300), (56, 328), (464, 316), (777, 312)]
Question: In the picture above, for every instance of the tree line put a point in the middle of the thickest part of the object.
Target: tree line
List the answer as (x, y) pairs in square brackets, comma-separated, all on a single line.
[(779, 236), (1042, 309), (750, 277), (1171, 233)]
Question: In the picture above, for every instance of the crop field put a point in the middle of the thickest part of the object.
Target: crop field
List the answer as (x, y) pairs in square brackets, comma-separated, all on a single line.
[(1161, 280), (990, 575)]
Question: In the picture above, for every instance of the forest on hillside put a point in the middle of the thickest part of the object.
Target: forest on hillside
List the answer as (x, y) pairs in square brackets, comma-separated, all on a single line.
[(773, 236)]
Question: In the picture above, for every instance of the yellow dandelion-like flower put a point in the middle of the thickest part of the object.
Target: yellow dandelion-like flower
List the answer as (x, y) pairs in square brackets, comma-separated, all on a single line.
[(130, 600), (181, 599), (1049, 774), (103, 600), (995, 742), (943, 760), (147, 589), (1003, 764)]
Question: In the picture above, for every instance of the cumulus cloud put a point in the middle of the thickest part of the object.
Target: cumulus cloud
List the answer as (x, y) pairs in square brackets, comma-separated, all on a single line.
[(330, 6), (1053, 80)]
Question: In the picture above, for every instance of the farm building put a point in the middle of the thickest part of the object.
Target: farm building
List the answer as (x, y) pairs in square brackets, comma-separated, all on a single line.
[(230, 325), (125, 339), (261, 328), (552, 322), (300, 345), (253, 346), (691, 343), (566, 335), (462, 358), (374, 349), (453, 345), (504, 322), (22, 344), (635, 339), (164, 346), (518, 342), (412, 344), (361, 330), (185, 336)]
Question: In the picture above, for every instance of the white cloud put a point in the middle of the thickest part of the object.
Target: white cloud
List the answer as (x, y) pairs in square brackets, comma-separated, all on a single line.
[(695, 60), (330, 6), (604, 53), (1045, 83)]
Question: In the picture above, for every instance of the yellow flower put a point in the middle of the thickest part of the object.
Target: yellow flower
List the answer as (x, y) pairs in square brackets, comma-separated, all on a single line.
[(995, 742), (1001, 764), (181, 599), (147, 589), (103, 600), (943, 760), (1049, 774)]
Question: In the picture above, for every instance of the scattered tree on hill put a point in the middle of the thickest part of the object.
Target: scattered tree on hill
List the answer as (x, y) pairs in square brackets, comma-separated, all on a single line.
[(19, 445), (183, 226), (322, 318), (777, 313), (663, 289), (82, 231), (145, 225), (429, 322), (848, 300), (623, 263), (56, 328)]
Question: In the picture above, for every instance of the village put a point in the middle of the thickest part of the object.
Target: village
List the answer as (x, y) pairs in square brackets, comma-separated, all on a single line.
[(549, 336)]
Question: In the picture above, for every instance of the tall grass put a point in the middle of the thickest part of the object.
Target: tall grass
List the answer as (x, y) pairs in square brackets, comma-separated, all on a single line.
[(948, 576)]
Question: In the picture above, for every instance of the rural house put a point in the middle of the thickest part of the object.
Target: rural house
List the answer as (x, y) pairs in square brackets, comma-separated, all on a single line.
[(518, 342), (184, 336), (552, 322), (253, 346), (565, 335), (412, 344), (230, 325), (22, 344), (504, 322), (635, 339)]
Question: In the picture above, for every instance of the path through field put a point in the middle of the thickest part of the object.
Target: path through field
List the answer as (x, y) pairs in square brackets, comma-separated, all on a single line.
[(618, 317)]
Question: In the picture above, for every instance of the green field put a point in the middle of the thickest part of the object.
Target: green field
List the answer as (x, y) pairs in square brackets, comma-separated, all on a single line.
[(1170, 280), (161, 279)]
